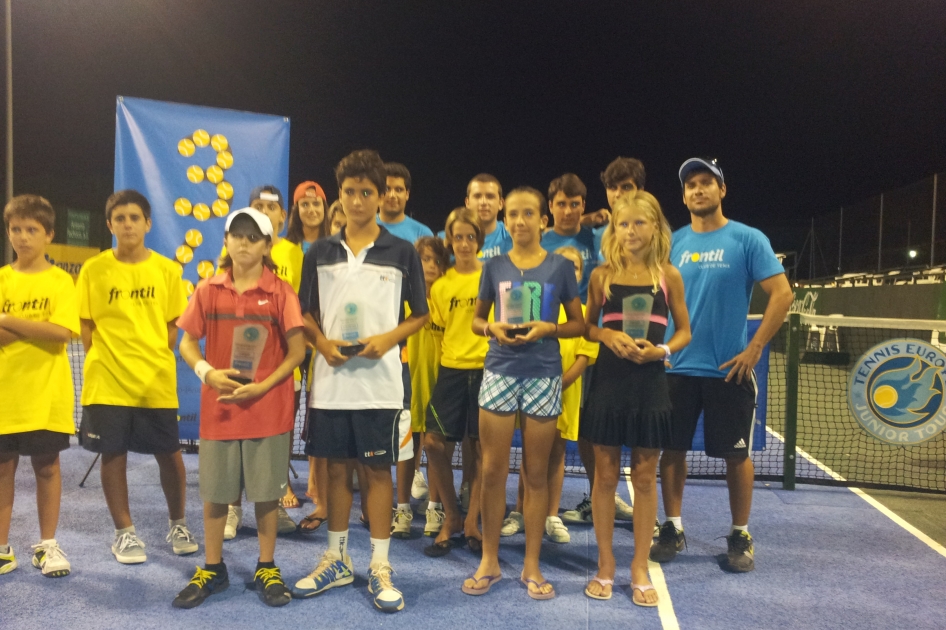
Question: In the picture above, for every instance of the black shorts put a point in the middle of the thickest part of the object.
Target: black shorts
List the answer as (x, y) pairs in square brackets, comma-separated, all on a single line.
[(728, 413), (40, 442), (113, 429), (454, 410), (373, 436)]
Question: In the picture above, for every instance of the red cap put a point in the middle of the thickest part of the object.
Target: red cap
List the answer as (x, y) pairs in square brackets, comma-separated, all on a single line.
[(303, 187)]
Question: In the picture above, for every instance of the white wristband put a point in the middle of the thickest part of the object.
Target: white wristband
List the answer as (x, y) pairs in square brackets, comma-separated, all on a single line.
[(202, 369), (665, 348)]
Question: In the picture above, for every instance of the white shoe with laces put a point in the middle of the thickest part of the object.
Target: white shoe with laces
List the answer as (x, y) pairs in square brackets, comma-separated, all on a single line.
[(434, 522), (419, 489), (234, 519), (51, 559), (513, 524), (622, 511)]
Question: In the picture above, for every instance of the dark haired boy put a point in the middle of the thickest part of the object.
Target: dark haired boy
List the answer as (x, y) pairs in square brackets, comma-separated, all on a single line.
[(484, 196), (129, 300), (714, 374), (354, 286), (567, 204), (39, 316)]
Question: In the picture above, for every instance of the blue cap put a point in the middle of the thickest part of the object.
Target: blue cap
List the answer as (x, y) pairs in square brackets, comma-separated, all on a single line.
[(701, 164), (266, 193)]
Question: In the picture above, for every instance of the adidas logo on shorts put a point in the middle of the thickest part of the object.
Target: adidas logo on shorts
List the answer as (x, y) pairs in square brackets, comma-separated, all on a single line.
[(740, 444)]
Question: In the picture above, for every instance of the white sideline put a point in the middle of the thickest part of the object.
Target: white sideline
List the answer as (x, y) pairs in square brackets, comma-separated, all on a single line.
[(883, 509), (668, 618)]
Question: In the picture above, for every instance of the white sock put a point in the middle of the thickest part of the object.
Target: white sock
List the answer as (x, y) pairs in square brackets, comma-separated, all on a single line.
[(48, 541), (127, 530), (678, 522), (379, 550), (403, 507), (434, 506), (744, 528), (4, 548), (338, 542)]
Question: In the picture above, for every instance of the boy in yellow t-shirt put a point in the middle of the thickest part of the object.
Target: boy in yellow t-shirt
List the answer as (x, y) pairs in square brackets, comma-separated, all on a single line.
[(38, 317), (288, 259), (129, 300)]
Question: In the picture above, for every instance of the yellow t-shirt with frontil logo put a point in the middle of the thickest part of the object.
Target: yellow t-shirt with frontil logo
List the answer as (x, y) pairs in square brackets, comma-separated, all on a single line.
[(130, 306)]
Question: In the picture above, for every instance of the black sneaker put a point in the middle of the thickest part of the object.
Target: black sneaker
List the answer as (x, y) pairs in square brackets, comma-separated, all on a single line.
[(740, 556), (669, 542), (271, 589), (204, 584)]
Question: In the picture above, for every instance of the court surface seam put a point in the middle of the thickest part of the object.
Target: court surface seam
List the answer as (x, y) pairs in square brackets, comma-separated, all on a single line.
[(880, 507), (668, 618)]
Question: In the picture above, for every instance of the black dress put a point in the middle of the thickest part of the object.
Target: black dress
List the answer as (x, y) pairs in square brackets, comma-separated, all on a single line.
[(629, 404)]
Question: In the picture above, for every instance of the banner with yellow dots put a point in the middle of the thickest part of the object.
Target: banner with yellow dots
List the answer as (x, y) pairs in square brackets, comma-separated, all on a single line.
[(195, 165)]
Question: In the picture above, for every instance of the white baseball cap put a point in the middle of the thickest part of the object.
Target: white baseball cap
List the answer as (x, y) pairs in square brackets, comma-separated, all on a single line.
[(262, 221)]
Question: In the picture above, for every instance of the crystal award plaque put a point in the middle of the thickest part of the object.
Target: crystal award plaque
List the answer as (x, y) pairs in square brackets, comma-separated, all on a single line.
[(248, 343), (637, 309)]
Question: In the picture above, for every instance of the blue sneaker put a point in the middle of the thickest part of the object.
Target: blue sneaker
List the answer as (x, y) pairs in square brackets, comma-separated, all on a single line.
[(332, 571), (386, 598)]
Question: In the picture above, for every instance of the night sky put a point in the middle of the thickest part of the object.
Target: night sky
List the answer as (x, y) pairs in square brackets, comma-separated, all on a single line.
[(808, 105)]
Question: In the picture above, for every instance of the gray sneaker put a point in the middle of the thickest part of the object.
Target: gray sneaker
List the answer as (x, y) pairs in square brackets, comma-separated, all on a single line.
[(741, 553), (581, 513), (129, 549), (434, 522), (284, 522), (622, 511), (668, 543), (182, 541)]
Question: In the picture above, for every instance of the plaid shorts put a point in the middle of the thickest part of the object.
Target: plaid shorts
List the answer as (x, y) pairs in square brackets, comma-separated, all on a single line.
[(539, 397)]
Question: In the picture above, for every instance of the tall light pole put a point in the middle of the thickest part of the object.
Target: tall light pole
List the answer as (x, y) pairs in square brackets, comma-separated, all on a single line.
[(7, 247)]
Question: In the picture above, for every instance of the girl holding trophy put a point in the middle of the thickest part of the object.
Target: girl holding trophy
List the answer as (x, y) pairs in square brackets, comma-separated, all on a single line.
[(522, 375), (252, 324), (628, 402)]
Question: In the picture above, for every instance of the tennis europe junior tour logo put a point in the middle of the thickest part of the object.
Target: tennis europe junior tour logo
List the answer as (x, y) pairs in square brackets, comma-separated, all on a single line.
[(896, 391)]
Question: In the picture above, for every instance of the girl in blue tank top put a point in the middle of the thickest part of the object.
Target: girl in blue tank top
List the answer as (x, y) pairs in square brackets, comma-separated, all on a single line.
[(635, 292)]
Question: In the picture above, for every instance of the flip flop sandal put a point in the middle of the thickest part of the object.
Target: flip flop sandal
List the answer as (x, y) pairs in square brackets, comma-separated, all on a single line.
[(303, 524), (475, 545), (537, 594), (442, 548), (643, 588), (483, 590), (608, 583)]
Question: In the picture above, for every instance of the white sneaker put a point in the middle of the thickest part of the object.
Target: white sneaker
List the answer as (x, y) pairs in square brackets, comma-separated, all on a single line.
[(51, 559), (513, 524), (284, 522), (181, 539), (622, 511), (129, 549), (419, 489), (7, 561), (386, 598), (465, 497), (556, 530), (234, 519), (401, 524), (434, 522)]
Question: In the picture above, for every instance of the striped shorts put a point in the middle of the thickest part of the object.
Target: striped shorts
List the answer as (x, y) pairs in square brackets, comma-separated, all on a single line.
[(539, 397)]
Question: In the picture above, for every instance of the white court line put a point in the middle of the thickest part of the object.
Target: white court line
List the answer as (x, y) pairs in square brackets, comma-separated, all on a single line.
[(883, 509), (668, 618)]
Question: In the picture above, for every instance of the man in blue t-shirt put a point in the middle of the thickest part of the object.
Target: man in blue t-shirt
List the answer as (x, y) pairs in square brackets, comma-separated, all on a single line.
[(484, 196), (720, 261), (391, 214), (567, 203)]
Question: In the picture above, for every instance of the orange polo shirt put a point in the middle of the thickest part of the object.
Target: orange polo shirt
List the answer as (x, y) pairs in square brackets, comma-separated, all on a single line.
[(214, 311)]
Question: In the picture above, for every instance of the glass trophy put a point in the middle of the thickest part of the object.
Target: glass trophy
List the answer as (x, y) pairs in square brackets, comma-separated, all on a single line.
[(248, 343), (637, 309), (351, 329), (516, 303)]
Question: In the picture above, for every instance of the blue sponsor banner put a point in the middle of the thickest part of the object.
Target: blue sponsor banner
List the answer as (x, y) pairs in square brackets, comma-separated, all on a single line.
[(762, 381), (195, 165)]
